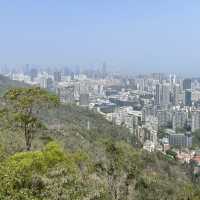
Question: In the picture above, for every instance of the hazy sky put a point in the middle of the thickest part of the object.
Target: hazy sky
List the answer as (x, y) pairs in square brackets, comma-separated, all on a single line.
[(140, 35)]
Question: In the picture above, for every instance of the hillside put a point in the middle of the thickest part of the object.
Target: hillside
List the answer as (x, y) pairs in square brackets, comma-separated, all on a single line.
[(78, 155), (6, 83)]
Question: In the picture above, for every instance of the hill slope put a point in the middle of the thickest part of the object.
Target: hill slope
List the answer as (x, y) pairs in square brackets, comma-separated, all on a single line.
[(78, 155), (6, 83)]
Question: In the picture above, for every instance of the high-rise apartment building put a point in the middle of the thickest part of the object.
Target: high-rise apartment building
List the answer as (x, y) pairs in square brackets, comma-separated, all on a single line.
[(188, 97), (195, 120), (187, 84), (165, 96), (179, 119), (84, 99), (157, 94), (57, 76), (33, 74), (180, 139)]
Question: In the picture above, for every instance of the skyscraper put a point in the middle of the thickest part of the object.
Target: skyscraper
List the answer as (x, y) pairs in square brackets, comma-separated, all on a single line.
[(26, 69), (66, 94), (187, 84), (57, 76), (84, 99), (165, 98), (49, 84), (33, 74), (157, 95), (176, 91), (77, 70), (164, 118), (66, 71), (179, 119), (104, 70), (188, 98), (195, 120)]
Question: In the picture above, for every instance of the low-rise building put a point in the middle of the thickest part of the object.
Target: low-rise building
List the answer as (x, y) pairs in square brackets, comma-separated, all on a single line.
[(180, 140), (149, 146)]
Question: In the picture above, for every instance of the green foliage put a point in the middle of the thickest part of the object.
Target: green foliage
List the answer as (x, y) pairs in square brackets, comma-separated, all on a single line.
[(47, 174), (95, 163), (162, 133), (121, 168), (6, 83), (171, 153), (196, 139), (119, 172), (181, 130), (155, 187), (22, 106), (2, 153), (73, 122)]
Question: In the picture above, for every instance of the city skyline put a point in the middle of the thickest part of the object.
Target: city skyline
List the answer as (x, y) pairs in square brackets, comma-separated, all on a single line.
[(99, 100), (137, 37)]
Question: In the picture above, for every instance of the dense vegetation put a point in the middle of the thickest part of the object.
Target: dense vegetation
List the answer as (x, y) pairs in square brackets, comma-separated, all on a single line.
[(6, 83), (77, 155), (196, 139)]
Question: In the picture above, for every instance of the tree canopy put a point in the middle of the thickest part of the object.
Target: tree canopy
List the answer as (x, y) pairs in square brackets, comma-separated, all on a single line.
[(68, 161), (22, 107)]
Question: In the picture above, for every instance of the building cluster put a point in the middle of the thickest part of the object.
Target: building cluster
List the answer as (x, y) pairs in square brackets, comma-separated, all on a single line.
[(161, 111)]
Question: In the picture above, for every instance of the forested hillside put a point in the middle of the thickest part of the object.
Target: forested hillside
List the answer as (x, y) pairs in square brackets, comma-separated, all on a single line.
[(6, 83), (75, 154)]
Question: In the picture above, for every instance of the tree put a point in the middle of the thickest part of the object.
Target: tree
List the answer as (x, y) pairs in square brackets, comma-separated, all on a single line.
[(49, 174), (171, 153), (196, 138), (162, 133), (121, 168), (22, 107)]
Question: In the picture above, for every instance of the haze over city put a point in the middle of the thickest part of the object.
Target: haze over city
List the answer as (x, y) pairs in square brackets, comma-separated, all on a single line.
[(133, 36), (99, 100)]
